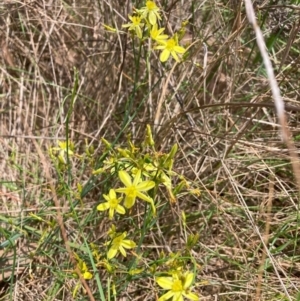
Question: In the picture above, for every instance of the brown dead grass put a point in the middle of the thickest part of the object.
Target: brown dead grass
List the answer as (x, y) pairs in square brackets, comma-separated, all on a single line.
[(225, 127)]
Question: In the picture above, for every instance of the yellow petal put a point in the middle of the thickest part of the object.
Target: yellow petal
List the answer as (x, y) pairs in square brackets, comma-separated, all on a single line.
[(191, 296), (131, 18), (177, 297), (122, 190), (129, 202), (106, 197), (179, 49), (112, 194), (166, 296), (103, 206), (87, 275), (145, 186), (144, 197), (188, 280), (165, 282), (111, 213), (164, 55), (175, 56), (161, 30), (137, 178), (122, 250), (125, 178), (128, 244), (120, 209), (112, 253), (152, 18), (139, 32)]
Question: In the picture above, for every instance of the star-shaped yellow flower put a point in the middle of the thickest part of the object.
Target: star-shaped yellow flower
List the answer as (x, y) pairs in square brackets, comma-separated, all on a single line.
[(84, 270), (178, 287), (151, 11), (135, 25), (112, 204), (119, 244), (157, 36), (134, 189), (170, 47)]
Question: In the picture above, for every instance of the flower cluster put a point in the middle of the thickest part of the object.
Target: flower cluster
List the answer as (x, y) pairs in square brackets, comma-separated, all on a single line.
[(132, 190), (145, 24), (139, 172)]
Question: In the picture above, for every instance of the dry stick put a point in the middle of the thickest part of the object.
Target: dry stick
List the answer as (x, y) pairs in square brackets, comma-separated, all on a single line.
[(60, 220), (295, 7), (161, 99), (279, 104), (266, 239), (292, 36)]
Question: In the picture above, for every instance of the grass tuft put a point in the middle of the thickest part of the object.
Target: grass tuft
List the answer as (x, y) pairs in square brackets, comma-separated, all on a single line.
[(185, 123)]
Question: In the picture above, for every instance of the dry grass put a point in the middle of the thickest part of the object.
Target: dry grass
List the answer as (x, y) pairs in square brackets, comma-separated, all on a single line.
[(216, 105)]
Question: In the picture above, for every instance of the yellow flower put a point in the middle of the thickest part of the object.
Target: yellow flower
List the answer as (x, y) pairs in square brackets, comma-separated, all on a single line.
[(63, 150), (151, 11), (119, 244), (157, 36), (135, 25), (84, 270), (134, 189), (112, 204), (178, 287), (170, 47)]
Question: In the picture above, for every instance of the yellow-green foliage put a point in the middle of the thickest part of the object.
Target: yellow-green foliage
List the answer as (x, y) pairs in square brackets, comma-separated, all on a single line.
[(138, 173)]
